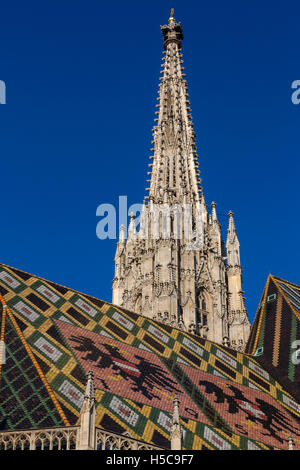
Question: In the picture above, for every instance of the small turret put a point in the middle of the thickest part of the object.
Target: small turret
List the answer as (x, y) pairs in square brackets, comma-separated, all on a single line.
[(232, 243), (240, 325)]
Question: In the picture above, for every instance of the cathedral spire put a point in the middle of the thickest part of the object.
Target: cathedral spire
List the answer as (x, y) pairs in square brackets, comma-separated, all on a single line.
[(175, 172), (175, 268)]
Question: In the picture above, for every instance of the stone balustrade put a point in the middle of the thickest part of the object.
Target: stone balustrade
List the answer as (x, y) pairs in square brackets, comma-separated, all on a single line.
[(66, 438)]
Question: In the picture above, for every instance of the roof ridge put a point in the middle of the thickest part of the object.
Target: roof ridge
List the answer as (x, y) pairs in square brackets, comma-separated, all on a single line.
[(118, 307), (285, 281), (53, 282), (260, 315), (285, 297)]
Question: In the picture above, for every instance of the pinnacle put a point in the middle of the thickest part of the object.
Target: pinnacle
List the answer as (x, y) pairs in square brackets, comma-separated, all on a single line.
[(175, 163), (290, 443), (172, 19), (122, 234), (89, 390), (175, 418)]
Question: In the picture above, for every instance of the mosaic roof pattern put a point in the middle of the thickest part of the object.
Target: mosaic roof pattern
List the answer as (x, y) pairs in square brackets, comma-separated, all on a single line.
[(275, 332), (25, 401), (228, 400)]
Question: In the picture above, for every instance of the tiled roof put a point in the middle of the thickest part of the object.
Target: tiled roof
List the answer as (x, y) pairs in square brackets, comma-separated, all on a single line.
[(275, 330), (54, 335), (291, 291)]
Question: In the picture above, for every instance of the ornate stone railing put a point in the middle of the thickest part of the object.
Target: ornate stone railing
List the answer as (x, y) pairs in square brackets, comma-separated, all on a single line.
[(66, 438), (110, 441), (40, 439)]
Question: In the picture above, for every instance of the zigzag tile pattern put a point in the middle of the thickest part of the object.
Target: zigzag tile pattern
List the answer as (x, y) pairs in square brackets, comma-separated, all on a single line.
[(275, 330), (143, 363)]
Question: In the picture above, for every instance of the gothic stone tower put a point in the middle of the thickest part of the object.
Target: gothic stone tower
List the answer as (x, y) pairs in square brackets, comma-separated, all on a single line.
[(166, 270)]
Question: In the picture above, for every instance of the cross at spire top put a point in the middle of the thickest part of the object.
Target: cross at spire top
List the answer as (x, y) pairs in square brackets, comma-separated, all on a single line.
[(172, 19), (172, 32)]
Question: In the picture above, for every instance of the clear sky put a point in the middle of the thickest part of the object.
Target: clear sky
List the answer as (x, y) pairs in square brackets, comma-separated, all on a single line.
[(82, 81)]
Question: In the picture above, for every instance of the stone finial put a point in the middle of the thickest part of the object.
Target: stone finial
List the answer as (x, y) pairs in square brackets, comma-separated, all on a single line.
[(87, 431), (132, 227), (122, 234), (143, 231), (89, 389), (231, 231), (231, 227), (226, 341), (172, 32), (89, 395), (214, 211), (291, 443), (176, 431), (176, 403), (232, 243), (181, 325), (172, 19)]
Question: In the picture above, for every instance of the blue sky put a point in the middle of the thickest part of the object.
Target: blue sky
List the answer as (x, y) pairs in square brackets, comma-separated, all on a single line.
[(82, 81)]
